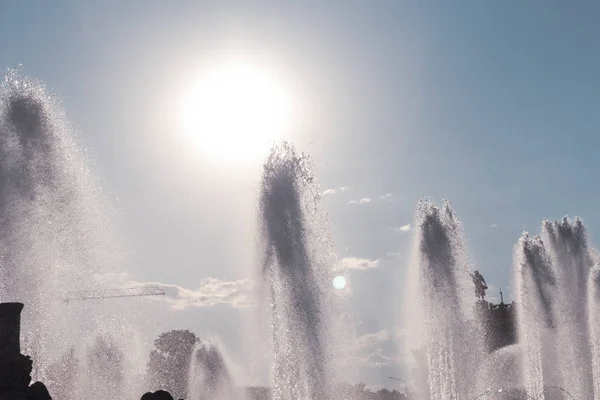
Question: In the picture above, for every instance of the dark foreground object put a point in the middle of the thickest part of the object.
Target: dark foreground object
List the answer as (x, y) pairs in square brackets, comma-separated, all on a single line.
[(15, 368), (158, 395), (38, 391)]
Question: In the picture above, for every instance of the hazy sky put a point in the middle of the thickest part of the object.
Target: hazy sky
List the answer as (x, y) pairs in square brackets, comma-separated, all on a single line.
[(492, 105)]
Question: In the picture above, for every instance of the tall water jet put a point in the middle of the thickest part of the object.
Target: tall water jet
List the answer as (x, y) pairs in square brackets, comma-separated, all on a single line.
[(594, 323), (55, 231), (567, 245), (295, 277), (535, 288), (441, 274), (209, 376)]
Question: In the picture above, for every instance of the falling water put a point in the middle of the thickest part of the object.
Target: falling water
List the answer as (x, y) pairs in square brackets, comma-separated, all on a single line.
[(295, 277), (104, 369), (209, 377), (55, 237), (55, 232), (441, 276), (558, 304), (594, 323), (568, 248), (535, 283)]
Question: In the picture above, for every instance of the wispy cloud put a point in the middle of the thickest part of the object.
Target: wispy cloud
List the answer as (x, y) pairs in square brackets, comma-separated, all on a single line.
[(379, 348), (209, 293), (334, 190), (493, 225), (387, 196), (358, 263), (404, 228), (364, 200)]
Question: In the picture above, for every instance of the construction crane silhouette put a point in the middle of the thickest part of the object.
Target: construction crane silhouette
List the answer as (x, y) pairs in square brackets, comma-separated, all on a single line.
[(114, 293)]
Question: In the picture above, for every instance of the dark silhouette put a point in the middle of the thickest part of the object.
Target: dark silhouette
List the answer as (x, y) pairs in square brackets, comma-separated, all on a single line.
[(38, 391), (499, 324), (158, 395), (169, 363), (15, 368), (480, 285)]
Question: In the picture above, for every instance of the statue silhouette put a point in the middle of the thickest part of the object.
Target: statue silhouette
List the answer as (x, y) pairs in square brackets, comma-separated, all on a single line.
[(480, 285)]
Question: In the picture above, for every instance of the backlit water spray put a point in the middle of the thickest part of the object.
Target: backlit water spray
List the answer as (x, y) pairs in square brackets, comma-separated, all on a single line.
[(440, 277), (209, 376), (296, 278), (55, 231)]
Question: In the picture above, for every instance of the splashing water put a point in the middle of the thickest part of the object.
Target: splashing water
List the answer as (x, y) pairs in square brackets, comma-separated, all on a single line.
[(535, 283), (295, 277), (56, 236), (209, 376), (55, 231), (558, 305), (568, 248), (440, 273), (594, 323)]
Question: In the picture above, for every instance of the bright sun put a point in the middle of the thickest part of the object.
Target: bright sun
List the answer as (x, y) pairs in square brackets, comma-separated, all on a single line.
[(234, 111)]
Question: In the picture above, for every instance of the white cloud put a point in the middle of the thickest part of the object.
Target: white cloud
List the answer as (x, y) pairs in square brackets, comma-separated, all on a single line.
[(404, 228), (379, 348), (358, 263), (210, 292), (387, 196), (493, 225), (213, 291), (334, 190), (392, 254), (364, 200)]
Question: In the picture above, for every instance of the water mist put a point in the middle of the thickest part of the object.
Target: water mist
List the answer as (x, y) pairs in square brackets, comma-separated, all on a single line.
[(295, 278)]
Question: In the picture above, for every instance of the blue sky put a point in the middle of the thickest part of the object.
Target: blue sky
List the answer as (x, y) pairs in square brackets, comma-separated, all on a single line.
[(492, 105)]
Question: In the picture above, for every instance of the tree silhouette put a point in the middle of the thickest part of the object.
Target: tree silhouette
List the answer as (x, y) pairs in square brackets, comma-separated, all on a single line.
[(169, 363)]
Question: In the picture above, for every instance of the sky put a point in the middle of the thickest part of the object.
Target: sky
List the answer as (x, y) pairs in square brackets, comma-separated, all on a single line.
[(491, 105)]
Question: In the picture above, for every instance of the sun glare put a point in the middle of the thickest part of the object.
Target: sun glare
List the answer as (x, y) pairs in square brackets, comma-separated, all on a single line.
[(235, 111), (339, 282)]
